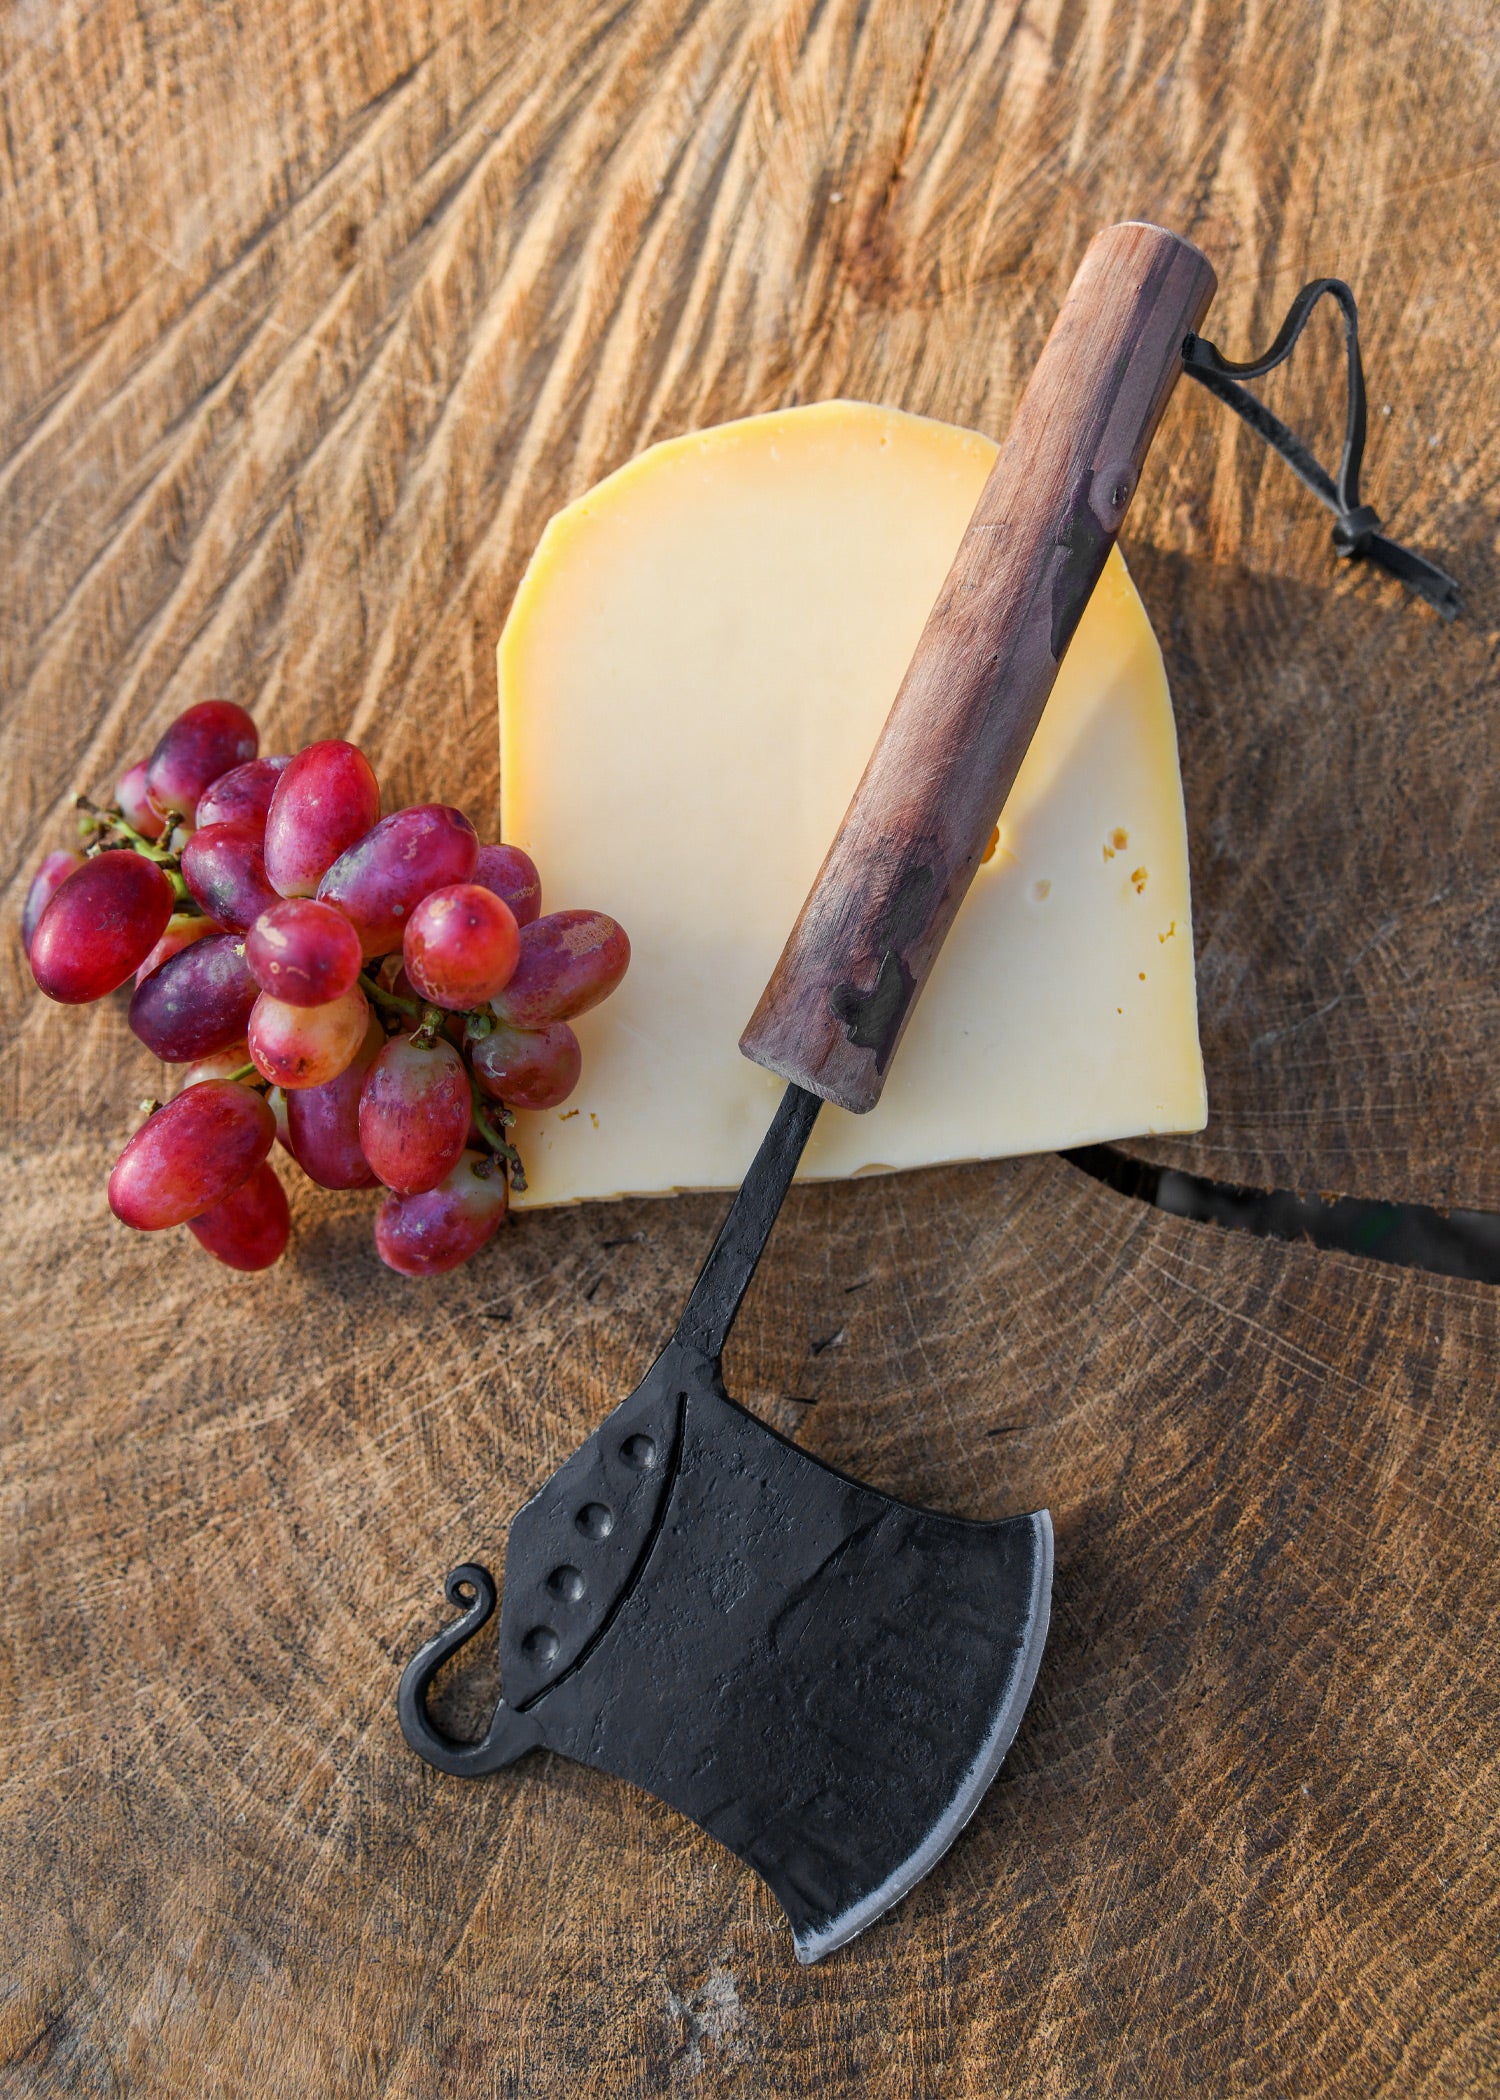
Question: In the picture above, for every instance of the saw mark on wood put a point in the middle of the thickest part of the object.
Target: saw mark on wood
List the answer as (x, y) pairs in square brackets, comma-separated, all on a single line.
[(875, 272)]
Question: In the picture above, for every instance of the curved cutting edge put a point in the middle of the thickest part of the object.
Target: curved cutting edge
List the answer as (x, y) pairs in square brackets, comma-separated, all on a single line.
[(822, 1677), (812, 1946)]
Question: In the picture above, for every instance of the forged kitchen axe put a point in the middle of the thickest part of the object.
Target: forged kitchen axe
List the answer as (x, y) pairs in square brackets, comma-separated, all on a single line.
[(826, 1679)]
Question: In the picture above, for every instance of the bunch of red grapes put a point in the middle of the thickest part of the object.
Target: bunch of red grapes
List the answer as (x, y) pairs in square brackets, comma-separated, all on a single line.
[(379, 993)]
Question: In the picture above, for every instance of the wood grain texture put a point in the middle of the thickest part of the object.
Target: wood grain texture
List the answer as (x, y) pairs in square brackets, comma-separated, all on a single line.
[(1243, 1845), (313, 317), (926, 807)]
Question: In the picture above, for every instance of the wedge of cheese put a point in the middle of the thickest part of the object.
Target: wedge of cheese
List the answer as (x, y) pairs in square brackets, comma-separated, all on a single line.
[(694, 671)]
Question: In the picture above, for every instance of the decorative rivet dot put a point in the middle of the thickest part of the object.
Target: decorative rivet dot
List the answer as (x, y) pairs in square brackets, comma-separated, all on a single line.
[(540, 1645), (639, 1453), (595, 1520), (567, 1582)]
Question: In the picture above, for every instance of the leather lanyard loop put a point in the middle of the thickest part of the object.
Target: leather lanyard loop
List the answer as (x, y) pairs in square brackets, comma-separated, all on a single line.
[(1356, 530)]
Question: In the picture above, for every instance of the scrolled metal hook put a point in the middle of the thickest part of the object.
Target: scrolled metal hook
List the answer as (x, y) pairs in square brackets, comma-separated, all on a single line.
[(509, 1733)]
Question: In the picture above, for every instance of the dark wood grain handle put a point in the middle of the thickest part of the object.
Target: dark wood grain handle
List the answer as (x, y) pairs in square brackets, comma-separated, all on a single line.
[(932, 793)]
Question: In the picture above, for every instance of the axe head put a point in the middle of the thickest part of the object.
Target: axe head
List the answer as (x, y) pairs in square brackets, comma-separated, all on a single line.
[(822, 1677)]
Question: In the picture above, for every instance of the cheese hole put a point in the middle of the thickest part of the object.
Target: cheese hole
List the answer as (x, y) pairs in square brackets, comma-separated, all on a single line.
[(1041, 891), (989, 852), (1139, 878)]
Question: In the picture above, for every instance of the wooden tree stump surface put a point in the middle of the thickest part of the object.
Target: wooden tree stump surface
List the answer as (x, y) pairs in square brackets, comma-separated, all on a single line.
[(313, 317)]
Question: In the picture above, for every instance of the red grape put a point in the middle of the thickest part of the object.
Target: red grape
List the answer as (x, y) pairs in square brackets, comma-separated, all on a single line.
[(302, 952), (569, 961), (528, 1068), (98, 925), (249, 1229), (200, 745), (242, 795), (380, 879), (183, 928), (414, 1113), (323, 1122), (190, 1155), (225, 869), (223, 1064), (134, 802), (424, 1234), (297, 1046), (326, 798), (512, 875), (460, 946), (45, 883), (199, 1000)]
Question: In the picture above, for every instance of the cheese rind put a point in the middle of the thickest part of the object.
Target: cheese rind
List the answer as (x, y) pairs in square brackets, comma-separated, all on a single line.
[(695, 668)]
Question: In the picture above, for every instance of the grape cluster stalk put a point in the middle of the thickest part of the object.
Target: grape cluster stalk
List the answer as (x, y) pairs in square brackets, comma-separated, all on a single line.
[(374, 994)]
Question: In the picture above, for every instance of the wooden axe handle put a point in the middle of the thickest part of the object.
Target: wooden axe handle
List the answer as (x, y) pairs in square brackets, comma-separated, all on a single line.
[(932, 793)]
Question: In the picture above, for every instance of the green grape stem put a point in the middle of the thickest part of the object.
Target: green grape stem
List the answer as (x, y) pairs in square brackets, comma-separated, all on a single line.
[(110, 824), (493, 1138), (388, 1002)]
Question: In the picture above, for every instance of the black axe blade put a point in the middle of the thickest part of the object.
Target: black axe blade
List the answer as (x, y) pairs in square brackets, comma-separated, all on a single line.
[(822, 1677)]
